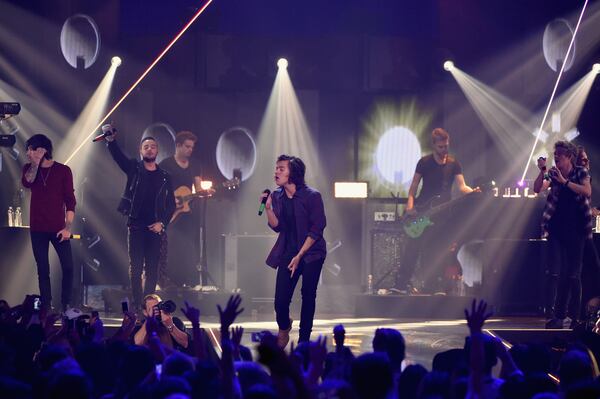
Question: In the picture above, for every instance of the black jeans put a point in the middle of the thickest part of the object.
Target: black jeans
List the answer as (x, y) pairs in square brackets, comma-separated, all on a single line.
[(40, 243), (144, 253), (284, 290), (563, 286)]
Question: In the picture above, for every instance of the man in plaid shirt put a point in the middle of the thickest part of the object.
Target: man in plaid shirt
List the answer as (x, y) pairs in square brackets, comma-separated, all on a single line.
[(566, 223)]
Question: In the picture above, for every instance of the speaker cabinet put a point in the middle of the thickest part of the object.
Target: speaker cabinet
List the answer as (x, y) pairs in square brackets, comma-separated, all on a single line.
[(387, 249), (244, 265)]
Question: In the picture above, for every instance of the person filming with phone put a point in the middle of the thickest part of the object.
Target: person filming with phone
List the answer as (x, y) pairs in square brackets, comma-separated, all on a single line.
[(567, 224), (159, 319)]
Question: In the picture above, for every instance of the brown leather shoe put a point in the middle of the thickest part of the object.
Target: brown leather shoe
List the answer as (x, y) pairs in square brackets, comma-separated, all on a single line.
[(283, 336)]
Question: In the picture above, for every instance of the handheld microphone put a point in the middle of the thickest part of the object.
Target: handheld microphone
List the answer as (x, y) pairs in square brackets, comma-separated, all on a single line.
[(107, 131), (261, 208), (72, 237)]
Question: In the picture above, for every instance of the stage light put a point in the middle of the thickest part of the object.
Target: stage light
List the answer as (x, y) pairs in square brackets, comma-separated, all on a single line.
[(571, 134), (115, 61), (206, 185), (448, 65), (350, 189), (282, 63), (394, 166), (596, 68)]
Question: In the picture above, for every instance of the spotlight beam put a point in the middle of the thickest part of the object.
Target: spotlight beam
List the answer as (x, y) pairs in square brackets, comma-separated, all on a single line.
[(137, 82), (537, 137)]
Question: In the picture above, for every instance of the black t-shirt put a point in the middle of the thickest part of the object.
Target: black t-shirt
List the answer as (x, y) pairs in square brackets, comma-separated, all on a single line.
[(180, 176), (179, 324), (289, 218), (149, 186), (568, 217), (437, 179)]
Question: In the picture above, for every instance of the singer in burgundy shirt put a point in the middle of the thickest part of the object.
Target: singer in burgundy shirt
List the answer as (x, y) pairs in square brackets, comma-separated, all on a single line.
[(52, 211)]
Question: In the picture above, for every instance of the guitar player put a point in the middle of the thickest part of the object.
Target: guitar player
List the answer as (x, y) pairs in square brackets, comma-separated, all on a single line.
[(438, 171), (183, 231)]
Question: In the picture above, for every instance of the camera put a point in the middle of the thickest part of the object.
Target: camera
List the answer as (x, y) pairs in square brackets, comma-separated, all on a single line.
[(553, 173), (167, 306)]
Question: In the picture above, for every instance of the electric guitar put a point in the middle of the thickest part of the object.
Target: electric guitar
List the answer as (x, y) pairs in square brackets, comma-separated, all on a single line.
[(415, 225), (184, 195)]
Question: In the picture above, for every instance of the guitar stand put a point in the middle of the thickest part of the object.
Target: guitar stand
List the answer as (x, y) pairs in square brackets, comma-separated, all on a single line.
[(204, 275)]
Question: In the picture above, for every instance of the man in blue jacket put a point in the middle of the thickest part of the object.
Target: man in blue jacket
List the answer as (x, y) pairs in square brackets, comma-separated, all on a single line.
[(296, 212), (149, 203)]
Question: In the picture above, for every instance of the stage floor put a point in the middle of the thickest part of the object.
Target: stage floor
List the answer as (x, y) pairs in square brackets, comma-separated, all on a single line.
[(424, 338)]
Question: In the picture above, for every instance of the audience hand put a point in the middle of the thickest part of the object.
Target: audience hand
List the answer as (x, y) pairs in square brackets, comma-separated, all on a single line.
[(477, 317), (236, 339), (192, 314), (230, 313), (129, 320)]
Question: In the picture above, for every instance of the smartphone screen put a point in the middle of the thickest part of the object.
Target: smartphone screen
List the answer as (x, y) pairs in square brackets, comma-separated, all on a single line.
[(37, 304), (125, 306)]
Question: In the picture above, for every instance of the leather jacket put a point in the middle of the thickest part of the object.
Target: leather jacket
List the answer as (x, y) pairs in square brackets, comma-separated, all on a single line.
[(130, 202)]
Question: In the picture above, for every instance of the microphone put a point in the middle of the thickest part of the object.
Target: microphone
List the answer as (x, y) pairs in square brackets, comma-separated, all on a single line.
[(107, 131), (72, 237), (261, 208)]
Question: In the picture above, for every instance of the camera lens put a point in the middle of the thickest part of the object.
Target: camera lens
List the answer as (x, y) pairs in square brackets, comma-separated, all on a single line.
[(167, 306)]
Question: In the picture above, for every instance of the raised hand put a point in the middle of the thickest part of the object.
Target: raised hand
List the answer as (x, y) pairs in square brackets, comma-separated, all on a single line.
[(97, 326), (192, 313), (236, 335), (236, 339), (318, 350), (478, 316), (128, 323), (230, 313), (541, 163)]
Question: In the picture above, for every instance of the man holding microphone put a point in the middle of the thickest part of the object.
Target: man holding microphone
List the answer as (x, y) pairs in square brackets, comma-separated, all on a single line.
[(296, 212)]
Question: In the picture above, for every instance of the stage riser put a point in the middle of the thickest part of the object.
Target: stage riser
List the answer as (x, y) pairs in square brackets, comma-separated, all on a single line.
[(418, 306)]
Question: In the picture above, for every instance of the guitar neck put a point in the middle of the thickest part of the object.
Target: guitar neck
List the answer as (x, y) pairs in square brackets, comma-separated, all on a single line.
[(446, 205)]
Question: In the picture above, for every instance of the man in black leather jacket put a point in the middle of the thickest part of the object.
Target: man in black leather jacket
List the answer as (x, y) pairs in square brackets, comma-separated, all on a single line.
[(149, 203)]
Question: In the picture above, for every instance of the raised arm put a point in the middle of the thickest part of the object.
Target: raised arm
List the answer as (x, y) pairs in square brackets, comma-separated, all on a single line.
[(540, 184), (30, 170), (272, 219), (117, 154)]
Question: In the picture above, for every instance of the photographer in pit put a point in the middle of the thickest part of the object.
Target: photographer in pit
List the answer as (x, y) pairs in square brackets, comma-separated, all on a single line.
[(159, 319)]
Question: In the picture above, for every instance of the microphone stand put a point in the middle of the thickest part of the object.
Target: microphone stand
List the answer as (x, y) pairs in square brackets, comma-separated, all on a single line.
[(204, 275)]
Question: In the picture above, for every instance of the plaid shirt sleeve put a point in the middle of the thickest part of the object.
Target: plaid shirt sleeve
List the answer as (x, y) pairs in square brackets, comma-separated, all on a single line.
[(577, 176)]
